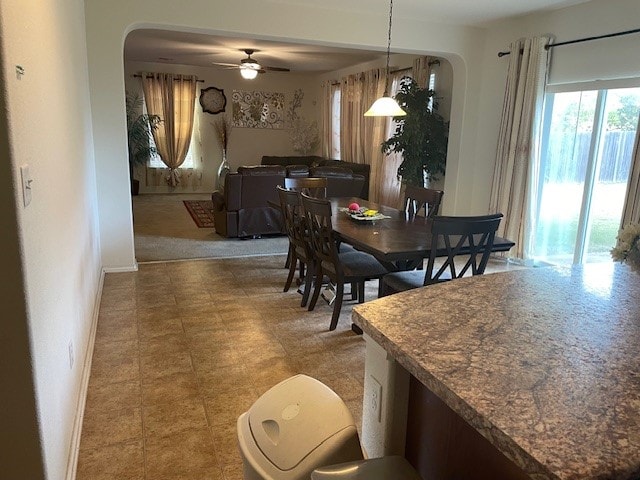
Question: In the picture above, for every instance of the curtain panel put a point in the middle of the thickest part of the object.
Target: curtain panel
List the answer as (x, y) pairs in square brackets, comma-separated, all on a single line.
[(390, 187), (361, 137), (631, 212), (326, 141), (375, 131), (421, 71), (517, 158), (351, 114), (172, 97)]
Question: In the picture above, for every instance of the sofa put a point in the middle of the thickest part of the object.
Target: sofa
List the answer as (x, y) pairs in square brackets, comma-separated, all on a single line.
[(242, 209), (317, 161)]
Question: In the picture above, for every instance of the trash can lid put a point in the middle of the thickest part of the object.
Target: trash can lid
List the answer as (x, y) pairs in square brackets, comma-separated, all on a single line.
[(294, 417)]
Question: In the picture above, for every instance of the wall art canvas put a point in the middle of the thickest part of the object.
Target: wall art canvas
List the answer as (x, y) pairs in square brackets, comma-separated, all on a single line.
[(258, 109)]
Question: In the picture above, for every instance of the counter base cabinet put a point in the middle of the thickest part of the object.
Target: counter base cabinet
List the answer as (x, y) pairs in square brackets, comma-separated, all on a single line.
[(442, 446)]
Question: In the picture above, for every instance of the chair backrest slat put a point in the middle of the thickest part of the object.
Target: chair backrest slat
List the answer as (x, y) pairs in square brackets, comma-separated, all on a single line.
[(318, 216), (418, 199), (294, 219), (457, 236)]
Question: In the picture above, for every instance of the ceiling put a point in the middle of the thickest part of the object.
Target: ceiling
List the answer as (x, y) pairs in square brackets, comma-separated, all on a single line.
[(164, 46)]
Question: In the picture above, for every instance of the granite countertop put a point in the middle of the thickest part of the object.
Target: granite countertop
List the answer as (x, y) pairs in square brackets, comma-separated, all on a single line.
[(544, 363)]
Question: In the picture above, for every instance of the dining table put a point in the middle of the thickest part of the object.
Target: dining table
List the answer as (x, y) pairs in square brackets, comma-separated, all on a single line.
[(399, 241)]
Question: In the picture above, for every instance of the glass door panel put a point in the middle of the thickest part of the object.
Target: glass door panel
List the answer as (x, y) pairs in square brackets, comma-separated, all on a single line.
[(563, 168), (584, 168), (617, 137)]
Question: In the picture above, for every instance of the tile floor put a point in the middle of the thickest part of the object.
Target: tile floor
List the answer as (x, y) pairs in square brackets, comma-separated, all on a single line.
[(182, 348)]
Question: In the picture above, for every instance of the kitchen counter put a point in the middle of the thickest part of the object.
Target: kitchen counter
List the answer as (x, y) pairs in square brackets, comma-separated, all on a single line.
[(544, 363)]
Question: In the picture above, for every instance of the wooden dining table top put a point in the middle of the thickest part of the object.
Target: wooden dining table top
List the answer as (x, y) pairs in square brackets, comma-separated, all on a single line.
[(397, 241)]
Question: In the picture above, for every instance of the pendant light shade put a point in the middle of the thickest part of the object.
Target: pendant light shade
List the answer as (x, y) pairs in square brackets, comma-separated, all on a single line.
[(386, 106)]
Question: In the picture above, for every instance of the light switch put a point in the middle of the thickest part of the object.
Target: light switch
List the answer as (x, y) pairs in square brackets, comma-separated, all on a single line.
[(26, 184)]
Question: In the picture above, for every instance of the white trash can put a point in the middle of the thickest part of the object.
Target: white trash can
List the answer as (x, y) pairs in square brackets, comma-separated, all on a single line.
[(295, 427)]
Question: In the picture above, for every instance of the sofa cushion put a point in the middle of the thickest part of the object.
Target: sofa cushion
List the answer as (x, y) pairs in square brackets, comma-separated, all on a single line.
[(262, 170), (297, 171), (337, 172), (357, 168), (309, 160)]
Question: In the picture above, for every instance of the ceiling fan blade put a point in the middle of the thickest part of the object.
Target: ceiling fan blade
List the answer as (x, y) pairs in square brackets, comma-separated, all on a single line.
[(230, 65), (276, 69)]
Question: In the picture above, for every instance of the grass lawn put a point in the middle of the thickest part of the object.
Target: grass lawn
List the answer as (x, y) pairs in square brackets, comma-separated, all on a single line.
[(558, 221)]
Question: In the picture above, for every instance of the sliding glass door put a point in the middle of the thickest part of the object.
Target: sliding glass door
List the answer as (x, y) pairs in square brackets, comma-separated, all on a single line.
[(587, 145)]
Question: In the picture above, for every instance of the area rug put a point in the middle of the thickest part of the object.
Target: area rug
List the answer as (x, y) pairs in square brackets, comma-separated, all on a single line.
[(201, 211)]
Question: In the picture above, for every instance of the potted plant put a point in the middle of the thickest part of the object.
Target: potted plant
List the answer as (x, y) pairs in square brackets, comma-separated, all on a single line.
[(421, 136), (139, 129)]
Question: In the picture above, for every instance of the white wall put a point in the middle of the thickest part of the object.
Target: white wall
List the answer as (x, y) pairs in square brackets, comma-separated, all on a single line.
[(54, 241), (109, 22), (600, 59), (478, 76), (246, 145)]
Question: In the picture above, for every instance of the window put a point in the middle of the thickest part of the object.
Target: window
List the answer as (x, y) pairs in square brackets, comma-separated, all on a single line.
[(156, 162), (587, 145), (192, 153), (431, 86), (335, 121)]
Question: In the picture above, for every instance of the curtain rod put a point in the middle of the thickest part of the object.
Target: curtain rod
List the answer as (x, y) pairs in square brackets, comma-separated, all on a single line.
[(140, 76), (431, 63), (580, 40), (400, 70)]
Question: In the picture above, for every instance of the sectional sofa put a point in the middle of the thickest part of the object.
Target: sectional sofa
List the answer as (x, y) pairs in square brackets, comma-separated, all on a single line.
[(242, 209)]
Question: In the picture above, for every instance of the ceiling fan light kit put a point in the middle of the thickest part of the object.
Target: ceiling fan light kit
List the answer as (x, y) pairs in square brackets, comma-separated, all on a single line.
[(249, 67), (248, 73), (386, 106)]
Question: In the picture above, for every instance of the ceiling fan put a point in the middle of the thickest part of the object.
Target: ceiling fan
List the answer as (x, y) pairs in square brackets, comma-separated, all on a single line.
[(249, 67)]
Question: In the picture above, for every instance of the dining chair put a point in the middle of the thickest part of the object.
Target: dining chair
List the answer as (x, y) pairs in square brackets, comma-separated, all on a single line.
[(467, 243), (352, 266), (417, 199), (301, 254), (312, 186)]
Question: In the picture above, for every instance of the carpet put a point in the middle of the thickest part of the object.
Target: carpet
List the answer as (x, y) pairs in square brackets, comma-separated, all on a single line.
[(201, 211)]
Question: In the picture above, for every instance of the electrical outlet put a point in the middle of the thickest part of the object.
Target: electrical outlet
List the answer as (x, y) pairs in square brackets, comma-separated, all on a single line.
[(375, 398), (70, 354)]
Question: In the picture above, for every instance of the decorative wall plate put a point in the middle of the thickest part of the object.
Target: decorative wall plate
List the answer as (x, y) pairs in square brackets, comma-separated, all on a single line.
[(213, 100)]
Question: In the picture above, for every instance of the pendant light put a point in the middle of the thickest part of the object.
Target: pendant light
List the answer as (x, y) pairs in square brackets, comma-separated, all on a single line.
[(386, 106)]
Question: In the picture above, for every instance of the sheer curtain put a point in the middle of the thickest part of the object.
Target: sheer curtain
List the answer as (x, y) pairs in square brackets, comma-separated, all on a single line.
[(172, 97), (631, 212), (516, 167)]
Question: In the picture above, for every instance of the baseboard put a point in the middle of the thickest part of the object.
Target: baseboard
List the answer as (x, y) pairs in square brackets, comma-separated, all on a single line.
[(133, 268), (74, 450)]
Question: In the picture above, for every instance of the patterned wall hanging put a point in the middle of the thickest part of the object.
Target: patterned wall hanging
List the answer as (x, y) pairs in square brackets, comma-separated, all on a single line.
[(258, 109)]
